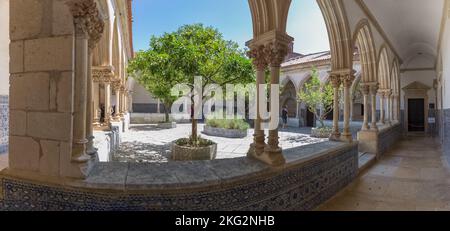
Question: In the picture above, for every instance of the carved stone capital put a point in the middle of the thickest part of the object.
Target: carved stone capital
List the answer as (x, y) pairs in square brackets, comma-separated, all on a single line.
[(258, 57), (365, 89), (276, 53), (347, 79), (87, 20), (102, 74), (335, 80), (117, 85), (374, 88)]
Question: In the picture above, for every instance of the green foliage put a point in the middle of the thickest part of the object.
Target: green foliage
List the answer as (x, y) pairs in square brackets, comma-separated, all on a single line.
[(191, 142), (218, 120), (316, 95), (192, 50)]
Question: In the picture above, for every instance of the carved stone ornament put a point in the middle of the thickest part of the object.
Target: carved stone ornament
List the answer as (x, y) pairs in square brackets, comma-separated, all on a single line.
[(102, 75), (258, 57), (275, 53), (87, 20)]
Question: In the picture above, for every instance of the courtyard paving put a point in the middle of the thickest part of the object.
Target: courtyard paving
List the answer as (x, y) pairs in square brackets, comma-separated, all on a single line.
[(149, 144)]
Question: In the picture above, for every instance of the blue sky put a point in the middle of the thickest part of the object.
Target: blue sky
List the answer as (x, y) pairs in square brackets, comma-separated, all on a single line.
[(231, 17)]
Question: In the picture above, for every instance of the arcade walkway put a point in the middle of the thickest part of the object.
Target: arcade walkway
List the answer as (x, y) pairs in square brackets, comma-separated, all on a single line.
[(410, 177)]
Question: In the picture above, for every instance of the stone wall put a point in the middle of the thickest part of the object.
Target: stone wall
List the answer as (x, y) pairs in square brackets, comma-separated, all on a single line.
[(4, 123), (300, 185), (446, 144), (388, 137)]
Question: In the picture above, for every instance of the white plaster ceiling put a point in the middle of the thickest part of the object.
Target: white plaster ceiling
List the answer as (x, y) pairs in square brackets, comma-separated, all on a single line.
[(412, 26)]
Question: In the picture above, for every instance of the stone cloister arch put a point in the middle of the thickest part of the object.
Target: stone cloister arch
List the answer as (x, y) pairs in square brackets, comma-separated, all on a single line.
[(384, 80), (363, 40), (395, 97), (268, 48)]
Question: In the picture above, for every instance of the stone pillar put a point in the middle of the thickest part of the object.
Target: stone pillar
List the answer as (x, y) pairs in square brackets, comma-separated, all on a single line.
[(116, 88), (96, 100), (347, 81), (373, 94), (260, 64), (382, 107), (397, 108), (80, 93), (108, 115), (90, 109), (366, 92), (387, 96), (122, 102), (336, 83), (276, 53)]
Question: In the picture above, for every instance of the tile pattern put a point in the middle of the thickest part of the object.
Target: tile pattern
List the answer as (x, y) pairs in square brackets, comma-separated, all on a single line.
[(411, 176), (4, 124), (389, 137), (446, 135), (302, 187)]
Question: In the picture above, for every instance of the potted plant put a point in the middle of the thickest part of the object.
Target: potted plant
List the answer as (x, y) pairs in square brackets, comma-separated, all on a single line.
[(317, 95), (186, 149)]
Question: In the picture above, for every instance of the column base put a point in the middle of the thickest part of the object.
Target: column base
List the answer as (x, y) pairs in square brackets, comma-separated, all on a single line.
[(335, 137), (347, 137), (270, 156), (374, 127)]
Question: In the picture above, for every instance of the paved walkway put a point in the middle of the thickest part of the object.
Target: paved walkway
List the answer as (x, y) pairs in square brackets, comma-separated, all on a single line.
[(146, 143), (412, 176)]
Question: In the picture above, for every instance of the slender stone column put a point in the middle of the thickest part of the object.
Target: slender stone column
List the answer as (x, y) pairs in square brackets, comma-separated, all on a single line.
[(273, 147), (336, 83), (122, 102), (107, 85), (91, 150), (80, 94), (387, 96), (366, 91), (275, 53), (260, 63), (397, 107), (382, 108), (97, 111), (347, 81), (393, 109), (116, 88), (373, 94)]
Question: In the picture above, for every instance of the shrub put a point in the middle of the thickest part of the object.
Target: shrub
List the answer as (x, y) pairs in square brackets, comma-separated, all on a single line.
[(235, 124), (189, 142)]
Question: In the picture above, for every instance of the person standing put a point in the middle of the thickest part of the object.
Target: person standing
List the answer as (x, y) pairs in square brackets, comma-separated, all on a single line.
[(284, 116)]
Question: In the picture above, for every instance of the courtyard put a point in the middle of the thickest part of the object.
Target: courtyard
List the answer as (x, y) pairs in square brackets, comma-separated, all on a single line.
[(146, 143)]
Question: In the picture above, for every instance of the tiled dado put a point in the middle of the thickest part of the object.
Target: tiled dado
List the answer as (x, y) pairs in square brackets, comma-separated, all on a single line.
[(446, 144), (4, 116), (389, 137), (303, 186)]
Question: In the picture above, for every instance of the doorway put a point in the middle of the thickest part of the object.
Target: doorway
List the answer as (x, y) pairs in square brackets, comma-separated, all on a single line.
[(416, 115), (309, 119)]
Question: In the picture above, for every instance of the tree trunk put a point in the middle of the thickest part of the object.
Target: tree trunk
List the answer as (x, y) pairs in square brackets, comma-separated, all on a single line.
[(166, 111)]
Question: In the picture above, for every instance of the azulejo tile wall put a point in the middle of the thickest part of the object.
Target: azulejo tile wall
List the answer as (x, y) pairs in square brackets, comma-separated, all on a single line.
[(446, 144), (4, 124), (301, 187), (388, 138)]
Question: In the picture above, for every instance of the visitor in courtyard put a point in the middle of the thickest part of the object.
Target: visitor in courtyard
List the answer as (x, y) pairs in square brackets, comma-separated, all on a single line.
[(284, 116)]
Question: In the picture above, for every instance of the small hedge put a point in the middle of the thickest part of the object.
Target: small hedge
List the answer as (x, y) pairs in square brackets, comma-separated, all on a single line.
[(235, 124)]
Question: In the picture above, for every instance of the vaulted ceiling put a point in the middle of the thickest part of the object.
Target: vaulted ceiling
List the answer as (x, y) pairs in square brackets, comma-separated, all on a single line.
[(413, 26)]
